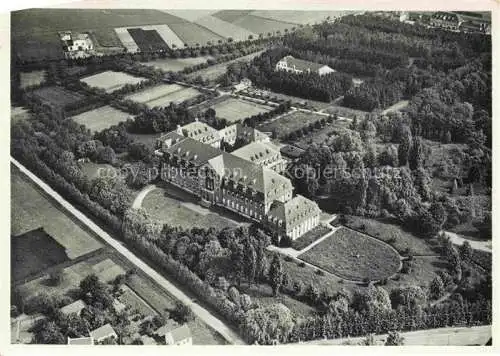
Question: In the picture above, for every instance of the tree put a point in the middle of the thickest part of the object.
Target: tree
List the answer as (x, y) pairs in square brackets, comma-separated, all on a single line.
[(410, 297), (276, 274), (394, 339), (436, 288), (268, 325), (181, 313), (250, 261), (105, 155), (404, 145), (466, 251), (415, 158), (369, 341)]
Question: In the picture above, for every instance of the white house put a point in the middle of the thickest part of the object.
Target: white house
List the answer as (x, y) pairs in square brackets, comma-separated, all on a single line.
[(295, 65)]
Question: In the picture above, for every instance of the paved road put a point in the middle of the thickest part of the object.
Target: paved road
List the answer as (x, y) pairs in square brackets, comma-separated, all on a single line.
[(199, 311), (476, 245), (459, 336)]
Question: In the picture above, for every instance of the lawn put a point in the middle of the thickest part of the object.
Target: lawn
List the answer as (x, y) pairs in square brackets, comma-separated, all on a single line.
[(147, 139), (58, 96), (167, 206), (288, 123), (309, 237), (225, 29), (392, 234), (193, 34), (130, 298), (323, 135), (111, 80), (213, 72), (354, 256), (164, 94), (176, 64), (35, 77), (102, 118), (93, 170), (234, 110), (31, 209)]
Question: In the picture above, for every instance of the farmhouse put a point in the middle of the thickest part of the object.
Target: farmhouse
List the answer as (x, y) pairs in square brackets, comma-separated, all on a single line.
[(295, 65), (174, 334), (246, 182), (77, 45)]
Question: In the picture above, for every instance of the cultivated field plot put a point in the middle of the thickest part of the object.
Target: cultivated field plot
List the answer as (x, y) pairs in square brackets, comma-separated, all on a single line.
[(225, 29), (213, 72), (35, 77), (299, 17), (30, 210), (191, 14), (193, 34), (175, 211), (163, 95), (46, 47), (126, 39), (288, 123), (262, 25), (58, 96), (147, 40), (231, 15), (110, 80), (176, 64), (354, 256), (129, 297), (150, 292), (168, 36), (102, 118), (234, 110), (72, 275)]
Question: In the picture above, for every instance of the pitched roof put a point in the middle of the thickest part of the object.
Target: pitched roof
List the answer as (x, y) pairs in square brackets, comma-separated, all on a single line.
[(196, 152), (173, 137), (146, 340), (102, 332), (81, 341), (257, 152), (199, 131), (75, 307), (294, 211), (301, 64), (181, 333), (168, 327), (247, 133)]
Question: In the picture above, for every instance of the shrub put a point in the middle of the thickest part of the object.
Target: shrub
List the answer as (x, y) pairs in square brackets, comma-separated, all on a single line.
[(288, 259), (320, 272), (302, 264)]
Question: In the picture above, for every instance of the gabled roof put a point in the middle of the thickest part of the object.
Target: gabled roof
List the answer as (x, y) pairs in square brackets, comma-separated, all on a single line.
[(199, 131), (102, 332), (75, 307), (294, 211), (245, 132), (168, 327), (181, 333), (301, 64), (146, 340), (81, 341), (173, 137), (257, 151), (195, 151)]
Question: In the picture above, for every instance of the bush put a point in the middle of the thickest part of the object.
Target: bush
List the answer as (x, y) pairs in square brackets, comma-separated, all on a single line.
[(288, 259), (302, 264), (320, 272)]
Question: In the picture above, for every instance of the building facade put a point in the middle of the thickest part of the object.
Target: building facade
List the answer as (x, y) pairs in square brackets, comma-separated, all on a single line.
[(247, 181), (297, 66), (77, 45)]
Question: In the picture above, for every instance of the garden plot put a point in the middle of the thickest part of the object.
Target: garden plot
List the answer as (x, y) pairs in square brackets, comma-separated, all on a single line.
[(234, 110), (111, 81), (126, 39), (163, 95), (166, 33), (102, 118)]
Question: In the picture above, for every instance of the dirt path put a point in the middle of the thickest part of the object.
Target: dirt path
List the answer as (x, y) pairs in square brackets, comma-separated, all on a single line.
[(142, 194), (476, 245), (225, 331)]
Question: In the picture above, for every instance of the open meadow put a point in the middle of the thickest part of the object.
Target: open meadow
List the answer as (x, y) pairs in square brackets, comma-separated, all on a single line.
[(164, 94), (101, 118), (110, 80), (233, 109), (288, 123), (32, 210), (176, 64), (57, 96), (225, 29), (354, 256)]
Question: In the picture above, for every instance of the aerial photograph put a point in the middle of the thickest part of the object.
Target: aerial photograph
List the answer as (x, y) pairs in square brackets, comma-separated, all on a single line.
[(250, 177)]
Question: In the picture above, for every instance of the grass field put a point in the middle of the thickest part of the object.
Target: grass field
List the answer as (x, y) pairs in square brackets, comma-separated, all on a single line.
[(31, 210), (129, 297), (354, 256), (176, 64), (101, 118), (393, 235), (57, 96), (234, 110), (345, 112), (299, 17), (260, 25), (46, 47), (309, 237), (111, 81), (225, 29), (288, 123), (213, 72), (193, 34), (177, 211), (35, 77), (231, 15), (164, 94)]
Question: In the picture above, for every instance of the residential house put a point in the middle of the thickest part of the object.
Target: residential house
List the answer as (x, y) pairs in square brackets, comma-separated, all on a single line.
[(245, 83), (77, 45), (295, 65), (179, 336), (103, 333), (75, 307), (87, 340)]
